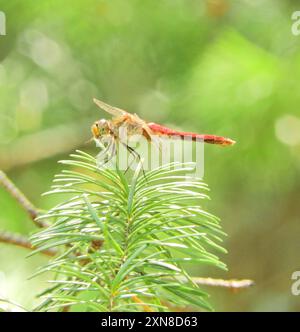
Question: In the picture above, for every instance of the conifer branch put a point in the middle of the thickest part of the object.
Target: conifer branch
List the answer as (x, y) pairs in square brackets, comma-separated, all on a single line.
[(119, 239), (126, 238)]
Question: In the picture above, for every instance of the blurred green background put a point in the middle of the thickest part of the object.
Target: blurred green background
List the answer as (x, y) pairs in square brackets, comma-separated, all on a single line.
[(223, 67)]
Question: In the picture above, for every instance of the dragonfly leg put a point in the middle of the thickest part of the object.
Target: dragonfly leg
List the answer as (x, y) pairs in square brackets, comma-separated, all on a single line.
[(107, 154), (132, 152), (136, 155)]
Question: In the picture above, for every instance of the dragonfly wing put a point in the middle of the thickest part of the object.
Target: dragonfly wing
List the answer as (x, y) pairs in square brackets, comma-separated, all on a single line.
[(114, 111)]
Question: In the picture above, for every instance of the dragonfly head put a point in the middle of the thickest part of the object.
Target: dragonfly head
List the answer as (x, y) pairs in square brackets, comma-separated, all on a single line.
[(100, 128)]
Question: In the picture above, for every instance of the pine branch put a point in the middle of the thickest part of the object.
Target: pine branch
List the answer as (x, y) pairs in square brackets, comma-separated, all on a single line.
[(145, 228), (23, 201), (122, 241)]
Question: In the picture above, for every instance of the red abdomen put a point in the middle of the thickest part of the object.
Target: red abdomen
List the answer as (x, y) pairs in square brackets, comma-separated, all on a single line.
[(212, 139)]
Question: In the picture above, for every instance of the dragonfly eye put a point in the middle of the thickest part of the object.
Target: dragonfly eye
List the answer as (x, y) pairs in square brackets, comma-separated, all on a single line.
[(95, 130)]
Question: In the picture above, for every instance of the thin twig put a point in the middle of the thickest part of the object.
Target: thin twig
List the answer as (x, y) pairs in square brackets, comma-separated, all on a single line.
[(31, 210), (10, 302), (232, 283), (21, 241)]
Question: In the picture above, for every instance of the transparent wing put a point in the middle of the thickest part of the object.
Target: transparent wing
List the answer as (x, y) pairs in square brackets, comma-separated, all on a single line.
[(114, 111)]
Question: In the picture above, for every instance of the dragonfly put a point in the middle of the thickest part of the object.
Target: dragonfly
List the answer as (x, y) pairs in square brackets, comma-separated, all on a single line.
[(110, 131)]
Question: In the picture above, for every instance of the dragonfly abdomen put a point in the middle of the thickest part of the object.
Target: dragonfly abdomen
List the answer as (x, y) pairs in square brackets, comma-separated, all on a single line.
[(212, 139)]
